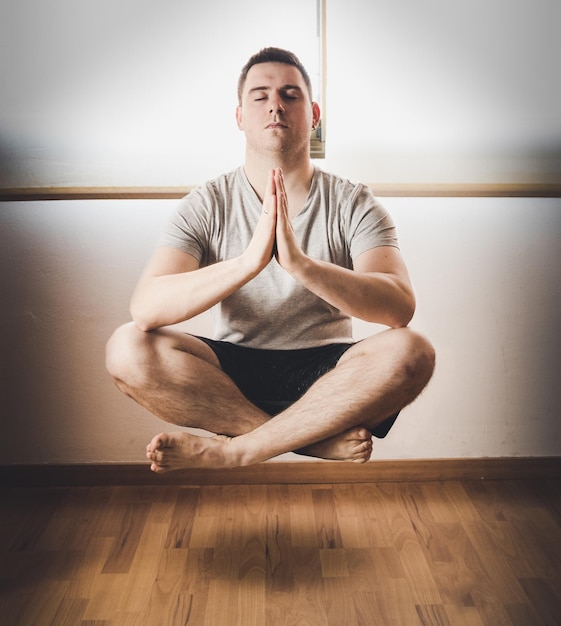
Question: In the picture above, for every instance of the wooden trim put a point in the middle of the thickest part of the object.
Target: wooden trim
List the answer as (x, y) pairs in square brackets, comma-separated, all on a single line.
[(412, 190), (18, 194), (313, 472), (476, 190)]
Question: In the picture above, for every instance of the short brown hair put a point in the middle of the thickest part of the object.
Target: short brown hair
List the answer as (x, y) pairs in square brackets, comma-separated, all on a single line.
[(273, 55)]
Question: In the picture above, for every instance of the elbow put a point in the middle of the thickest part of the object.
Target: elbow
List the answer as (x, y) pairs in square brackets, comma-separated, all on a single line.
[(393, 319), (397, 314), (394, 306), (404, 314), (402, 320), (142, 318), (143, 325), (400, 314)]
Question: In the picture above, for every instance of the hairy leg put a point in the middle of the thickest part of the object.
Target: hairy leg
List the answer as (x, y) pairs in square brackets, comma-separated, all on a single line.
[(178, 378), (373, 380)]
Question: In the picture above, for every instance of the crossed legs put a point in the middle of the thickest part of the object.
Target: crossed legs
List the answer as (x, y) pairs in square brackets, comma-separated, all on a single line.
[(178, 378)]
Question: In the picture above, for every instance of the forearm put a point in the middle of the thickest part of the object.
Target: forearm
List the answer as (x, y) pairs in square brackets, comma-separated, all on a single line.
[(169, 299), (371, 296)]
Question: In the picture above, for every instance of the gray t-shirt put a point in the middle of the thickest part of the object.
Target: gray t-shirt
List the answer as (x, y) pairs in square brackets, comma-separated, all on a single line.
[(339, 221)]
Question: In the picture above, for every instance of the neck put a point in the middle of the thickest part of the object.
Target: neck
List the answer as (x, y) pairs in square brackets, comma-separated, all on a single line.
[(297, 174)]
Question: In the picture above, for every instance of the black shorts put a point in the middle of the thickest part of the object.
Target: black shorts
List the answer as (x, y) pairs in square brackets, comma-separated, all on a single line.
[(275, 379)]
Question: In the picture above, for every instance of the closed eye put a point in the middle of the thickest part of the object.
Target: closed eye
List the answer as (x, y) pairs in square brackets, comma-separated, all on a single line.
[(292, 94), (289, 92)]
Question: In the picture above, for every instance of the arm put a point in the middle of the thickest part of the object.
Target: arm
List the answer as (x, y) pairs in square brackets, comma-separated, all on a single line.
[(378, 289), (174, 288)]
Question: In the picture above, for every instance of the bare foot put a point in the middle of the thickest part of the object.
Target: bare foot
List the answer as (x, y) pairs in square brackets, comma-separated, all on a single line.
[(180, 450), (353, 445)]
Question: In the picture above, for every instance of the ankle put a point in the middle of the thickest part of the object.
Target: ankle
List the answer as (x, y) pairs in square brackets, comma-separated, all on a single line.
[(238, 454)]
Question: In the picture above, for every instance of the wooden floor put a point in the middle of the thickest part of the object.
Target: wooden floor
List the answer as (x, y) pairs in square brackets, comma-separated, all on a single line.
[(389, 554)]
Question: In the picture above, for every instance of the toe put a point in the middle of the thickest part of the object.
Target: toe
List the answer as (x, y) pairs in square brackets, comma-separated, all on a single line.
[(158, 442)]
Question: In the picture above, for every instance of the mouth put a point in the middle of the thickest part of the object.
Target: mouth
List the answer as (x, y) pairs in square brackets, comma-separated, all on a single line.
[(274, 125)]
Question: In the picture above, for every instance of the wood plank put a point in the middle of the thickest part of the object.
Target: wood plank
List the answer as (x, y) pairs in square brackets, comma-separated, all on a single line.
[(278, 538), (327, 524), (90, 566), (463, 615), (181, 523), (540, 189), (70, 611), (357, 529), (546, 603), (450, 553), (29, 194), (144, 569), (396, 604), (302, 519), (367, 610), (46, 604), (522, 615), (127, 540), (333, 563), (502, 581), (105, 597), (433, 615), (307, 601), (339, 604), (252, 576), (462, 582), (276, 472), (31, 524), (178, 594)]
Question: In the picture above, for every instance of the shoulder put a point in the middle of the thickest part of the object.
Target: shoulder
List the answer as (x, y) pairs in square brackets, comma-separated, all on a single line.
[(217, 187), (341, 188), (335, 182), (211, 196), (346, 194)]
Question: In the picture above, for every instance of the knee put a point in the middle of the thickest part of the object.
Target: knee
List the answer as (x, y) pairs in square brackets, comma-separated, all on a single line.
[(419, 356), (406, 352), (123, 352)]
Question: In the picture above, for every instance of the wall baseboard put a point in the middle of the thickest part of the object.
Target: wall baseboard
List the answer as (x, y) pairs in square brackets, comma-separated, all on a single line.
[(312, 472), (438, 190)]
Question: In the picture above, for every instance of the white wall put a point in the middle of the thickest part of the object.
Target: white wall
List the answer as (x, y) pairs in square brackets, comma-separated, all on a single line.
[(117, 92), (129, 92), (444, 91), (488, 279)]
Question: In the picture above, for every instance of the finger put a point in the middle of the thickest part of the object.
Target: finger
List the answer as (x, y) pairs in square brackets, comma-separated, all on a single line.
[(278, 176), (279, 181), (269, 199), (282, 202)]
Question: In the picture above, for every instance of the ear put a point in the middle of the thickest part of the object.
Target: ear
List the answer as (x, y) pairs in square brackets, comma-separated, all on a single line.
[(316, 114), (239, 117)]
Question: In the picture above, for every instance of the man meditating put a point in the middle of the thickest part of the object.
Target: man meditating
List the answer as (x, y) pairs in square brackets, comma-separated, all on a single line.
[(287, 254)]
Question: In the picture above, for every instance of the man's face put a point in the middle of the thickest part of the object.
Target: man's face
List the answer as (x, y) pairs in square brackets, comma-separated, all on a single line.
[(276, 112)]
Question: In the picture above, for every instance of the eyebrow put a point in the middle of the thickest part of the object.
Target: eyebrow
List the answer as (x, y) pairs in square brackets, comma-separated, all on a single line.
[(268, 88)]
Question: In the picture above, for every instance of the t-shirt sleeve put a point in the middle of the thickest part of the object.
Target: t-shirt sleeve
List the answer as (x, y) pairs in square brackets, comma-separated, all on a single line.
[(188, 227), (371, 226)]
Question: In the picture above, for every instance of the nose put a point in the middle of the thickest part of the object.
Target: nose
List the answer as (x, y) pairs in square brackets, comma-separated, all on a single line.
[(276, 106)]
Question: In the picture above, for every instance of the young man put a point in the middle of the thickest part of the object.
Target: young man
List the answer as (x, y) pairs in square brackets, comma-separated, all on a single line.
[(287, 254)]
